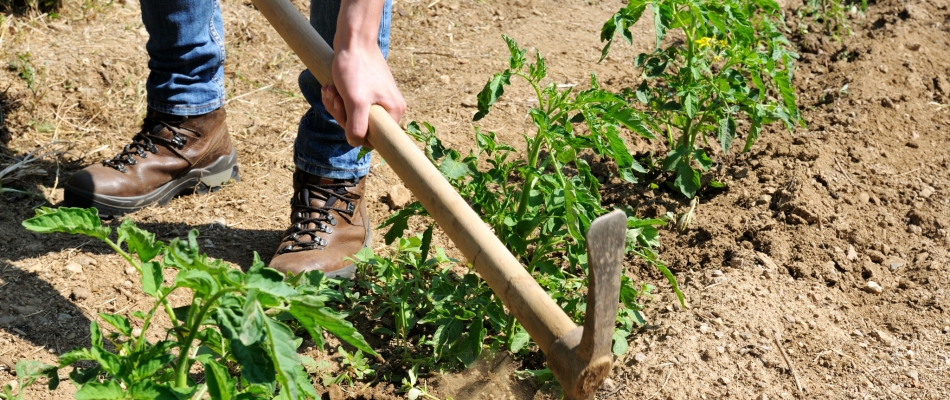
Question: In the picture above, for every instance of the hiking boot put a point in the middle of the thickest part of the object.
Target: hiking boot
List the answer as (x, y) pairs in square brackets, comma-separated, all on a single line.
[(328, 223), (171, 155)]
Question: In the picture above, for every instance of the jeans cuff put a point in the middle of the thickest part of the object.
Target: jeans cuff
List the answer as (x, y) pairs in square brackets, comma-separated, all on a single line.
[(331, 172), (185, 110)]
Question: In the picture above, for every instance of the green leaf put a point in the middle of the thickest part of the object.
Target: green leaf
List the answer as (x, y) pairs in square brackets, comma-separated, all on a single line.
[(727, 132), (687, 180), (252, 327), (256, 366), (68, 220), (120, 323), (312, 313), (690, 105), (494, 89), (454, 169), (631, 119), (220, 384), (659, 22), (469, 348), (270, 281), (199, 281), (149, 390), (703, 159), (27, 371), (517, 59), (280, 345), (399, 222), (152, 278), (75, 356), (620, 342), (139, 241), (108, 390), (448, 332), (520, 339)]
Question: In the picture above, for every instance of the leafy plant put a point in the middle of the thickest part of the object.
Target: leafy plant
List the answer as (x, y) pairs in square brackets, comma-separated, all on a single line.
[(734, 66), (541, 204), (831, 14), (234, 319)]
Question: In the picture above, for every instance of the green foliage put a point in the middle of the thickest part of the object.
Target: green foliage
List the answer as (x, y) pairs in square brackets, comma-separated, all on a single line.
[(233, 318), (831, 14), (540, 205), (734, 65), (23, 66)]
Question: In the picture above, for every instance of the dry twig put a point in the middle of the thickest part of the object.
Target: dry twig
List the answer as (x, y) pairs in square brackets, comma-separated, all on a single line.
[(788, 361)]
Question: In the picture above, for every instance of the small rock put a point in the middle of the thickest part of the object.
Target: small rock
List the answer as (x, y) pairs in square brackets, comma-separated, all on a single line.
[(914, 11), (876, 256), (64, 317), (80, 293), (725, 381), (704, 328), (609, 384), (639, 357), (864, 197), (218, 223), (130, 270), (926, 192), (398, 197), (209, 244), (718, 321), (895, 264), (857, 333), (85, 260), (912, 144), (766, 261), (946, 329), (763, 397), (873, 287), (913, 374), (852, 255), (912, 46), (883, 337), (444, 79), (790, 318), (136, 332), (74, 267), (127, 284), (887, 102), (716, 272)]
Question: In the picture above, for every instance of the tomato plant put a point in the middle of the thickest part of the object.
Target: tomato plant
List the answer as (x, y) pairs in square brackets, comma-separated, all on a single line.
[(734, 65), (233, 318)]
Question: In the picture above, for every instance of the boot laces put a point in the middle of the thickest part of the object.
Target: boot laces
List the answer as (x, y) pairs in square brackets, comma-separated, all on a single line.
[(144, 142), (301, 235)]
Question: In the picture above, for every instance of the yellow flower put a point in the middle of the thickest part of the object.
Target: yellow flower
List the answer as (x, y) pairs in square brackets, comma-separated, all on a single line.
[(706, 42)]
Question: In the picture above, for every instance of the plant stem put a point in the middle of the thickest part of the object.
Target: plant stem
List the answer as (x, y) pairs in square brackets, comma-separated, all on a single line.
[(138, 267), (181, 367)]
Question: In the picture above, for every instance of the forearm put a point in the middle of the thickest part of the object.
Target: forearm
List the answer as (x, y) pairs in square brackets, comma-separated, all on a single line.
[(358, 25)]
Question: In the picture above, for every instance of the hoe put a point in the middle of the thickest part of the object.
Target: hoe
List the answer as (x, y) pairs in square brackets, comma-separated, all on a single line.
[(579, 356)]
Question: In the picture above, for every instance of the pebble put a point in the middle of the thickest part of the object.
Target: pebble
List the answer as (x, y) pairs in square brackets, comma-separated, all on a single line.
[(926, 192), (790, 318), (857, 333), (444, 79), (873, 287), (725, 381), (80, 293), (704, 328), (130, 270), (85, 260), (716, 272), (609, 384), (136, 332), (883, 337), (639, 357), (852, 255), (766, 261), (209, 244), (864, 197), (74, 267), (913, 374), (718, 321), (946, 329), (64, 317), (218, 223), (876, 256), (127, 283), (398, 197)]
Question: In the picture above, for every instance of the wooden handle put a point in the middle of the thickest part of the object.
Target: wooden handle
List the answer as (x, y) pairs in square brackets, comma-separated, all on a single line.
[(528, 302)]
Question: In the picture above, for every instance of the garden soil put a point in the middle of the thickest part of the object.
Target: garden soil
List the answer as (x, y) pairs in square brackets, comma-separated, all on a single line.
[(820, 271)]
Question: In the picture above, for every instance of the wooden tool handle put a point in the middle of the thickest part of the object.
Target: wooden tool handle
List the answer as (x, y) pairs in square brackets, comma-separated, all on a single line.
[(541, 316)]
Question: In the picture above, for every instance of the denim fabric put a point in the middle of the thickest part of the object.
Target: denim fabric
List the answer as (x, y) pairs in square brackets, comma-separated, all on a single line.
[(186, 63), (186, 55), (321, 147)]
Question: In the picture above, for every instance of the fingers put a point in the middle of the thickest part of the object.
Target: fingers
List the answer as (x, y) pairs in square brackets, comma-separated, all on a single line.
[(357, 123), (333, 102)]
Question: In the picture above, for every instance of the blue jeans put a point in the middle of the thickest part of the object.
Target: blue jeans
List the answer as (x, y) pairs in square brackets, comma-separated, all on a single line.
[(186, 77)]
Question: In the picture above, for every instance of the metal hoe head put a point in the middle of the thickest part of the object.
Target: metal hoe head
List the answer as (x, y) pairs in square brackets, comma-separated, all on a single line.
[(581, 359)]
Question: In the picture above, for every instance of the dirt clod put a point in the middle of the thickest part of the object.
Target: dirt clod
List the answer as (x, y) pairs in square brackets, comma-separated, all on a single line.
[(398, 197)]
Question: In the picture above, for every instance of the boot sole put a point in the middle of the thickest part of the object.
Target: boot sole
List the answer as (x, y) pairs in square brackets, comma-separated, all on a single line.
[(198, 180)]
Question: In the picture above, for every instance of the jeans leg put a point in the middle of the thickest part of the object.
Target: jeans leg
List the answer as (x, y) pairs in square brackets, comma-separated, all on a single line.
[(321, 147), (186, 55)]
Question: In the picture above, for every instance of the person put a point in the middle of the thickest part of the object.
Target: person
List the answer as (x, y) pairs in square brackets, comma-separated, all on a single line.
[(184, 147)]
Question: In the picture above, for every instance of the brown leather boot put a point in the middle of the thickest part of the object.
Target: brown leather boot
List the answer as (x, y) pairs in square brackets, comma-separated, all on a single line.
[(172, 155), (328, 223)]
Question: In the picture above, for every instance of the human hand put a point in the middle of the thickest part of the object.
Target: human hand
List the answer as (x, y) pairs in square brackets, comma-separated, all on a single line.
[(362, 78)]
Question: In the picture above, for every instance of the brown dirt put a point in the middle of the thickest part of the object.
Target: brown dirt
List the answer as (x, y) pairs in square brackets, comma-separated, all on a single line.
[(779, 262)]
